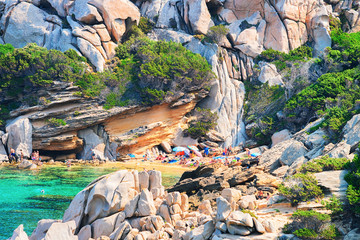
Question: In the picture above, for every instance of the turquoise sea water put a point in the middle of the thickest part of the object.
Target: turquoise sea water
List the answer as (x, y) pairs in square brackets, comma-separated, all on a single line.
[(23, 202)]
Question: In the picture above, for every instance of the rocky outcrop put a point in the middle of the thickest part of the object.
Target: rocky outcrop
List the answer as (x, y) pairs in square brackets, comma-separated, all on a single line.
[(92, 28), (333, 182), (352, 131), (115, 207), (19, 234), (20, 136)]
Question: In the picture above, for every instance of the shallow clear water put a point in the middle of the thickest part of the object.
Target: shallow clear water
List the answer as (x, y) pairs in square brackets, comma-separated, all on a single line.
[(23, 202)]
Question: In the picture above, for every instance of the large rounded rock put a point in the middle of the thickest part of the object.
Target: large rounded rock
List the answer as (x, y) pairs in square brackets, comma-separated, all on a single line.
[(146, 205), (223, 209), (269, 74), (280, 136), (42, 228), (197, 15), (107, 195), (19, 234), (293, 152), (240, 218), (353, 234), (26, 24), (352, 131), (20, 136), (61, 230)]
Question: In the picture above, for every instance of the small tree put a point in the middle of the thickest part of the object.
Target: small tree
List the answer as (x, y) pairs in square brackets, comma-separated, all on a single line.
[(206, 120), (300, 187), (216, 33)]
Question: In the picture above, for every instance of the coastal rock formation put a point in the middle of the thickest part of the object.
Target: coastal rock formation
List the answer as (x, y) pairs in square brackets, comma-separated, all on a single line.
[(20, 136), (92, 28), (115, 207)]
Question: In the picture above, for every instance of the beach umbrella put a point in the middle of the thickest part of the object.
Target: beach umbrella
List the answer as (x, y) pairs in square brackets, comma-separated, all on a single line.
[(131, 155), (179, 149), (194, 148)]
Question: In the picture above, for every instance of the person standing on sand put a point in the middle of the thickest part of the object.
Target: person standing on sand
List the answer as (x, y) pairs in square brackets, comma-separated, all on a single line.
[(206, 151), (21, 155)]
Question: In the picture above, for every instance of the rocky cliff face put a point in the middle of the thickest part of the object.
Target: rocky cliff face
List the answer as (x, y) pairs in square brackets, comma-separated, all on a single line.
[(94, 27)]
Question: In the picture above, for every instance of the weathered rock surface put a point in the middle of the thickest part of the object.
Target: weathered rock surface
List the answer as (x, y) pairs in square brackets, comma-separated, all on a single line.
[(166, 217), (61, 231), (353, 234), (280, 136), (30, 23), (20, 136), (269, 74), (292, 152), (42, 228), (19, 234), (333, 181), (352, 131)]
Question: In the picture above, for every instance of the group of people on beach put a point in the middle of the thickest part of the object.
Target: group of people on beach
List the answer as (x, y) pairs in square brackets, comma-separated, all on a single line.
[(18, 158), (14, 158), (194, 158), (35, 157)]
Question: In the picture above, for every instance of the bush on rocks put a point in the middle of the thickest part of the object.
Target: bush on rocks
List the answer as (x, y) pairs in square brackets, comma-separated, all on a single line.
[(311, 225), (206, 120), (325, 163), (300, 187), (353, 179)]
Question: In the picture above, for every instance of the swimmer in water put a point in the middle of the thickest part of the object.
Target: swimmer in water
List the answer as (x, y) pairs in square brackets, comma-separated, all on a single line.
[(43, 191)]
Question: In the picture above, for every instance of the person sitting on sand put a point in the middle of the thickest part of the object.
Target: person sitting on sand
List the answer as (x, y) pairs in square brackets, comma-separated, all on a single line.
[(12, 157), (252, 155)]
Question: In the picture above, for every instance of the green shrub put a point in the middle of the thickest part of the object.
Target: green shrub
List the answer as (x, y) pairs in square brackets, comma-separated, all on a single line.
[(301, 53), (300, 187), (145, 25), (57, 122), (311, 225), (305, 233), (353, 179), (5, 49), (216, 33), (333, 97), (206, 120), (155, 69), (334, 205), (325, 163)]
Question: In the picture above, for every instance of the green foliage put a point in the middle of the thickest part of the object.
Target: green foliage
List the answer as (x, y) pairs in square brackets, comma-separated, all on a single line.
[(334, 205), (353, 179), (335, 23), (145, 68), (156, 69), (262, 100), (311, 225), (325, 163), (216, 33), (5, 49), (145, 25), (333, 96), (305, 233), (249, 212), (345, 48), (300, 187), (301, 53), (57, 122), (206, 120)]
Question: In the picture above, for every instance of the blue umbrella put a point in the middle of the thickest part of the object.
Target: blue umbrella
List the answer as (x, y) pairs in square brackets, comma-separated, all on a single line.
[(179, 149), (131, 155)]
